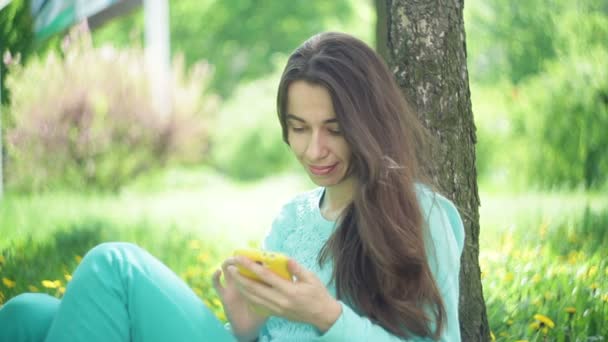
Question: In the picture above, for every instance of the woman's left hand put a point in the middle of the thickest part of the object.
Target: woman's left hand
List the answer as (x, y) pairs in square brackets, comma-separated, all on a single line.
[(304, 300)]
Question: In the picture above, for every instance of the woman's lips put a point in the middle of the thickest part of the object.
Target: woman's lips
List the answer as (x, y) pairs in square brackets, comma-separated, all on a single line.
[(321, 170)]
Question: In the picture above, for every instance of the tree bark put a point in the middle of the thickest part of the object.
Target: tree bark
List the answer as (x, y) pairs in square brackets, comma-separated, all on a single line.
[(426, 51)]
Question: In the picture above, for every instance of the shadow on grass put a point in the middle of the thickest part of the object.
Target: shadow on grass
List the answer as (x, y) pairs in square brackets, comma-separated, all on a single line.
[(587, 233), (31, 260)]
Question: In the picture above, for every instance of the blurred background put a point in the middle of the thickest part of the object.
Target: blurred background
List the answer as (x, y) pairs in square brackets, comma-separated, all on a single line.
[(155, 122)]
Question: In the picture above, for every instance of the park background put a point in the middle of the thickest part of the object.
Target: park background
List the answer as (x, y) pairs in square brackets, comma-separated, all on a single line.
[(88, 158)]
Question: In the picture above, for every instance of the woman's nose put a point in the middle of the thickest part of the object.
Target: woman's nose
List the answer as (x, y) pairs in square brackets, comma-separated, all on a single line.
[(317, 146)]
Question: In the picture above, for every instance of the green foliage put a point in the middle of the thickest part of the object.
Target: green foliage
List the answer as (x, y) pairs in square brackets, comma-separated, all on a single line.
[(586, 233), (244, 35), (17, 38), (16, 35), (87, 120), (563, 115), (539, 88), (509, 39), (241, 38), (247, 140)]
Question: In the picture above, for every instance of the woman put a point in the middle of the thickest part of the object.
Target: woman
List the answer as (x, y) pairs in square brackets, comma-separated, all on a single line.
[(374, 252)]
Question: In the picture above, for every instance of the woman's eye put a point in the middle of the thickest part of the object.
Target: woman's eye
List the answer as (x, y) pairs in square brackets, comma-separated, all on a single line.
[(335, 131), (298, 129)]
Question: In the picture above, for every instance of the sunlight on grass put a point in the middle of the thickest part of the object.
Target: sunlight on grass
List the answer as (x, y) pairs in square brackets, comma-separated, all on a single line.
[(542, 256)]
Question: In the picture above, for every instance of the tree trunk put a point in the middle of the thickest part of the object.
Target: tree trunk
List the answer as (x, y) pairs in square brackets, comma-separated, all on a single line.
[(427, 53)]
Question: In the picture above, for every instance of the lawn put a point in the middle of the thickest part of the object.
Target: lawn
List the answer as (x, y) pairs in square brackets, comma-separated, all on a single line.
[(542, 255)]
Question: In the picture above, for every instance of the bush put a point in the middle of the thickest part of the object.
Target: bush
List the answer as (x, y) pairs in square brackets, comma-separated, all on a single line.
[(87, 121), (562, 115), (247, 142)]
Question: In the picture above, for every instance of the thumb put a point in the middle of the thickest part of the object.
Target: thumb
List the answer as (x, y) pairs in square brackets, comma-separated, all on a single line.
[(297, 270)]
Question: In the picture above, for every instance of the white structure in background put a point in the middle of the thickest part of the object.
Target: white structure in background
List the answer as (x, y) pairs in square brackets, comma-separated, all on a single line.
[(156, 16)]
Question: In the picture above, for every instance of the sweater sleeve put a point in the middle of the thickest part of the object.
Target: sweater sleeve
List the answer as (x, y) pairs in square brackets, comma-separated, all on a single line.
[(446, 234)]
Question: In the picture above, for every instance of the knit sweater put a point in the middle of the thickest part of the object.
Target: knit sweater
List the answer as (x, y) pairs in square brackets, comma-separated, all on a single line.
[(300, 231)]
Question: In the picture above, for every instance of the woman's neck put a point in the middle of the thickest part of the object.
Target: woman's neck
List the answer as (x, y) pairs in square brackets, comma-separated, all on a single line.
[(337, 198)]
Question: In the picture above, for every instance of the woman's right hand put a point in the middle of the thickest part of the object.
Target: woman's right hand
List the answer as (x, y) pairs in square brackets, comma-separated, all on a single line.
[(244, 320)]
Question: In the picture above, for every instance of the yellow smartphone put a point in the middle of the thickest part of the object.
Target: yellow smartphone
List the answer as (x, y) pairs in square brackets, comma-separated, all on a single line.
[(274, 261)]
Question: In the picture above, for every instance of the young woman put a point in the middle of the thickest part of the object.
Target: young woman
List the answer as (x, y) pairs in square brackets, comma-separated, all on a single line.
[(374, 252)]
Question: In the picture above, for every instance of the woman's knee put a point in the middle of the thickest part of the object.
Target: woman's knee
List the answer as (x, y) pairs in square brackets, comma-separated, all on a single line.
[(27, 317), (109, 251)]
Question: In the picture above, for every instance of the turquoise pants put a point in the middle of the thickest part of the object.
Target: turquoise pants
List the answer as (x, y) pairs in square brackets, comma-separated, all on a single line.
[(119, 292)]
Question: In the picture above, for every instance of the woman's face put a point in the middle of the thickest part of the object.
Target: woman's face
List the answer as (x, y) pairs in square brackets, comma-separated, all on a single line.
[(314, 135)]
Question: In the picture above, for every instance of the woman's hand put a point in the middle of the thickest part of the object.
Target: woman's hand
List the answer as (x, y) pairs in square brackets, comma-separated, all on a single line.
[(304, 300), (245, 321)]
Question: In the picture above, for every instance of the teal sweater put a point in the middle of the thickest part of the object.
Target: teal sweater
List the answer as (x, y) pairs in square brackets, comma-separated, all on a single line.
[(300, 231)]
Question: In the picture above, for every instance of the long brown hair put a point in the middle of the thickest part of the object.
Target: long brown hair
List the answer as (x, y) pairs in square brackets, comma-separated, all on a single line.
[(378, 249)]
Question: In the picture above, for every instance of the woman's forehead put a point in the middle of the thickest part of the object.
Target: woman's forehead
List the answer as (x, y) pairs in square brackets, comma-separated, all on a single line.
[(309, 102)]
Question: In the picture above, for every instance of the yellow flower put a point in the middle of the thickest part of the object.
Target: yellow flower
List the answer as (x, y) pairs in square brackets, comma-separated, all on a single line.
[(570, 310), (194, 244), (592, 271), (9, 283), (32, 288), (544, 320), (78, 258), (51, 284), (222, 316), (508, 277), (535, 325), (67, 277), (216, 302), (192, 272), (594, 286), (62, 290), (573, 258), (203, 257)]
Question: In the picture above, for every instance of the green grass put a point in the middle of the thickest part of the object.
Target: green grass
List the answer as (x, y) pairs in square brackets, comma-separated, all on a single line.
[(545, 255), (539, 253)]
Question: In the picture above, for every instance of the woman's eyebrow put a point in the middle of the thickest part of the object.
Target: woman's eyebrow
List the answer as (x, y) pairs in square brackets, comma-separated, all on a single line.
[(293, 117), (296, 118)]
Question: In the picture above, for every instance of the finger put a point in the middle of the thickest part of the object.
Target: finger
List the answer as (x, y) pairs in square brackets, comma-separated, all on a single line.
[(299, 271), (217, 284), (259, 294), (229, 261)]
